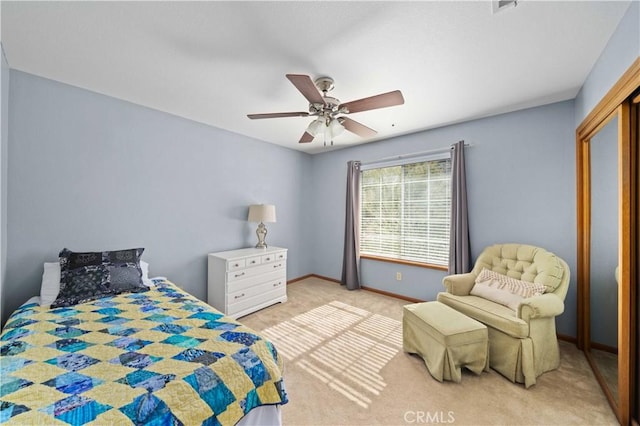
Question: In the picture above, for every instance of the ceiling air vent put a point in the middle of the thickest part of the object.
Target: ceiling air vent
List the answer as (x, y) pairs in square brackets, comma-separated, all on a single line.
[(499, 5)]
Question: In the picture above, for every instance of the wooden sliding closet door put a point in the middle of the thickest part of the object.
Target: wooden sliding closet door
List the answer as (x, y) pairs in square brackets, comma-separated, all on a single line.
[(622, 104), (635, 141)]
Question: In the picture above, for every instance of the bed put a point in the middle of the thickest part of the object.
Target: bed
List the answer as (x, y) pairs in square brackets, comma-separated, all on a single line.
[(158, 356)]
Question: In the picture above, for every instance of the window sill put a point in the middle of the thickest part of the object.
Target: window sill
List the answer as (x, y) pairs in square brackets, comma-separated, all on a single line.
[(405, 262)]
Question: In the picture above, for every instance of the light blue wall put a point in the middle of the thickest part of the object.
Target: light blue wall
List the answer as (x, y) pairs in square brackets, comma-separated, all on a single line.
[(90, 172), (621, 51), (521, 183), (4, 127)]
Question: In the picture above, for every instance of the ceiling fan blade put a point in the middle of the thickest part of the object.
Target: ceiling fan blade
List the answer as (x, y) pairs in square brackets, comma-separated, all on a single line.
[(278, 114), (307, 87), (357, 128), (374, 102), (306, 137)]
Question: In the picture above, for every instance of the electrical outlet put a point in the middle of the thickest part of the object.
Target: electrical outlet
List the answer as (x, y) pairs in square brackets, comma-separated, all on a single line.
[(399, 276)]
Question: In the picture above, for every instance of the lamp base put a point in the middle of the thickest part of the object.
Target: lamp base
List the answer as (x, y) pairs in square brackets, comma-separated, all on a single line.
[(261, 232)]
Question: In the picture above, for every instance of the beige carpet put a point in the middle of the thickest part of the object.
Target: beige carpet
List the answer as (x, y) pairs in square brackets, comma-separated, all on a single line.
[(344, 365)]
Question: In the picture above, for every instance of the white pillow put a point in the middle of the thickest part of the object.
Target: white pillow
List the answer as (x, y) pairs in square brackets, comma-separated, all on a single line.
[(145, 274), (521, 288), (502, 296), (51, 281)]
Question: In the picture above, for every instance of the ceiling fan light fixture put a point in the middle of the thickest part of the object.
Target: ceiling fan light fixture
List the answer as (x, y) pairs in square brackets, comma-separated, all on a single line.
[(315, 126), (335, 128)]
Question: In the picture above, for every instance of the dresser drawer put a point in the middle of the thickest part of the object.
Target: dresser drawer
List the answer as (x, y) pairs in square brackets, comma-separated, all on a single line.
[(241, 274), (253, 261), (236, 264), (240, 294), (255, 296), (256, 280)]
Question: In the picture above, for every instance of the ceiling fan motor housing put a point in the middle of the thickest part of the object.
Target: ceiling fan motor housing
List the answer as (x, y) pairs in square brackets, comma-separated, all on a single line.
[(330, 108)]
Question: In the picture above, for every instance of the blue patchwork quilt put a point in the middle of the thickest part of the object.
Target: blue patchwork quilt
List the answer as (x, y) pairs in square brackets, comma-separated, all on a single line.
[(158, 357)]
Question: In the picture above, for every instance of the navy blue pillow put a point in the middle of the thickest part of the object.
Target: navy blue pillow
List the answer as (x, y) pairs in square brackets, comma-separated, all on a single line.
[(90, 275)]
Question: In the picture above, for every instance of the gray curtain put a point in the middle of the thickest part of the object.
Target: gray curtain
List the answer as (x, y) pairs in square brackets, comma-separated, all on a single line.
[(459, 247), (351, 256)]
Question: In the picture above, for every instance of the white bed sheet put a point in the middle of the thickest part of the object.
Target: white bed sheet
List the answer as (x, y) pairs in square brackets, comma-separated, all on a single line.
[(265, 415), (34, 299)]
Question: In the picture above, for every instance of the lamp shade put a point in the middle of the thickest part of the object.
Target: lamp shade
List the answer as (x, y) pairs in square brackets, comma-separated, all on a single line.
[(262, 213)]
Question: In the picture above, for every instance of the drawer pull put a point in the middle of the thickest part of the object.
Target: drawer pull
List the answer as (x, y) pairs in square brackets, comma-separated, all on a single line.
[(278, 265), (277, 284), (239, 275), (281, 257), (268, 259), (238, 296), (236, 265), (253, 262)]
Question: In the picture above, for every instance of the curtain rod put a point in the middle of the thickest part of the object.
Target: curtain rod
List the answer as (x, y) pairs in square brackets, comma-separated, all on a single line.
[(413, 154)]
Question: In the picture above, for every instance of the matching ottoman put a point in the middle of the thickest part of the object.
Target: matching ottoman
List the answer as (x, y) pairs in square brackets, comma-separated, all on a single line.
[(446, 339)]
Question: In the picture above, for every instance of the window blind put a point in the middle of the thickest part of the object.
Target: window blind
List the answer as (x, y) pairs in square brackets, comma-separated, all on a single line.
[(405, 211)]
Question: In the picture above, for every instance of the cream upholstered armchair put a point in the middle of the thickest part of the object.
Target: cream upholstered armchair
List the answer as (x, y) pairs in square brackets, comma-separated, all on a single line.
[(522, 337)]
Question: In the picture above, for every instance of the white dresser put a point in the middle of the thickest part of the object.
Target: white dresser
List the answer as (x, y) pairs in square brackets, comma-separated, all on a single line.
[(246, 280)]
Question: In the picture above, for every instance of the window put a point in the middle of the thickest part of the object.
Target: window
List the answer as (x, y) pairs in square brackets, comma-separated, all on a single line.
[(405, 211)]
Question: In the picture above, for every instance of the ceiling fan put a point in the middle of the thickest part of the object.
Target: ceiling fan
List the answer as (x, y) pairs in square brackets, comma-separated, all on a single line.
[(326, 109)]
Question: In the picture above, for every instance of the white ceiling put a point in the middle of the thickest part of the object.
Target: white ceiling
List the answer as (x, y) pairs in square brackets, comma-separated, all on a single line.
[(214, 62)]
